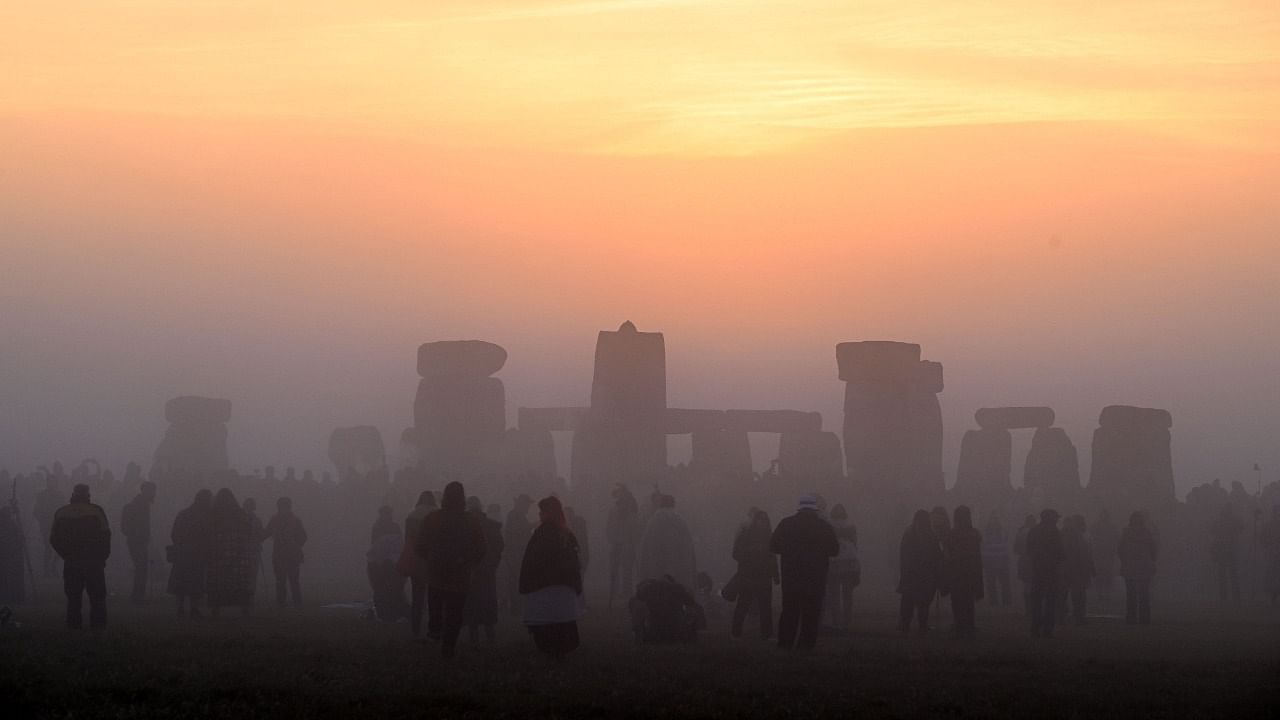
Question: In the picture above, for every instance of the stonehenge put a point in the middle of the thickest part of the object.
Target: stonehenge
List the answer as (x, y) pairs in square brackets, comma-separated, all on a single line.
[(1132, 456), (1052, 469), (811, 455), (196, 439), (892, 419), (722, 453), (1052, 472), (356, 448), (1014, 418)]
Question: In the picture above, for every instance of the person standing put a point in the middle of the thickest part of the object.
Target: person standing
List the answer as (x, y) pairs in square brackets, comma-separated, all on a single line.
[(667, 547), (412, 566), (920, 570), (1044, 559), (288, 538), (135, 524), (806, 544), (482, 595), (757, 574), (1225, 549), (1138, 552), (846, 569), (623, 532), (995, 562), (551, 582), (189, 553), (964, 571), (451, 540), (81, 536), (1077, 570), (230, 578)]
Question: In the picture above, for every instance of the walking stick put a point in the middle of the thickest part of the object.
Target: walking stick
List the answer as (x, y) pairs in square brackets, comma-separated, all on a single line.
[(26, 556)]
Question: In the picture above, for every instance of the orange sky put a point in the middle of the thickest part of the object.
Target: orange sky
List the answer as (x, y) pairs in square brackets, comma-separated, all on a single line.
[(276, 202)]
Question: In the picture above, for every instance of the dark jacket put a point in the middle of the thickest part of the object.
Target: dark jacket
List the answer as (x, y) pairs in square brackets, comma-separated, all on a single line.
[(964, 562), (806, 543), (81, 534), (919, 563), (757, 565), (550, 558), (1044, 552), (288, 536), (452, 543), (135, 521), (1138, 552)]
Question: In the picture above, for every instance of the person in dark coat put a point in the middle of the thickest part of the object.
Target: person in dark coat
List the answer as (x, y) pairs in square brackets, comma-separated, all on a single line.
[(1077, 570), (757, 574), (964, 571), (1138, 552), (189, 553), (482, 596), (1044, 558), (920, 571), (551, 582), (415, 567), (135, 525), (806, 543), (387, 584), (451, 540), (287, 540), (230, 580), (81, 536)]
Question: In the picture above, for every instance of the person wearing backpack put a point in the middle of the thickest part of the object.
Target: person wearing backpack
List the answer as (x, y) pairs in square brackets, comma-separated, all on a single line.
[(451, 541)]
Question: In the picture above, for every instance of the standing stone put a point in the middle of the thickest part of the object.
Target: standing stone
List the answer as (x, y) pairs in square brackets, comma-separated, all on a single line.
[(1132, 458), (356, 448), (196, 440), (986, 464), (460, 411), (722, 454), (1053, 466)]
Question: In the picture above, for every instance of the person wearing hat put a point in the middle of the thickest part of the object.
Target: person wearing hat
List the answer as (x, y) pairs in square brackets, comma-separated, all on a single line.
[(806, 544), (1045, 555), (81, 536)]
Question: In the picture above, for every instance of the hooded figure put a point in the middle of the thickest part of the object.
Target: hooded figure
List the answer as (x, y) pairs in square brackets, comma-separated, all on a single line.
[(189, 553), (964, 570), (667, 547), (413, 566), (1044, 558), (1138, 551), (806, 544), (482, 596), (451, 540), (82, 538), (231, 567), (551, 582), (920, 569)]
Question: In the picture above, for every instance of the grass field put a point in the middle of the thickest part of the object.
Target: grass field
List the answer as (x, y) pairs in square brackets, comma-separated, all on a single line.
[(330, 663)]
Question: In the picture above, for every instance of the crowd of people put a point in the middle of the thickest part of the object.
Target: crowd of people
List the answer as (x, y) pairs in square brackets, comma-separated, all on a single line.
[(463, 564)]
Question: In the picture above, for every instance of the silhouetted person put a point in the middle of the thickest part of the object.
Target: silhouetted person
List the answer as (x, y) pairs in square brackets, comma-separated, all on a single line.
[(806, 544), (920, 571), (963, 557), (1024, 561), (385, 524), (12, 567), (385, 581), (135, 525), (551, 582), (413, 566), (623, 533), (451, 541), (1104, 539), (82, 538), (667, 546), (47, 503), (1225, 549), (1077, 570), (189, 553), (1138, 552), (846, 569), (1269, 542), (287, 540), (230, 580), (482, 597), (757, 574), (1044, 557), (996, 563), (515, 535)]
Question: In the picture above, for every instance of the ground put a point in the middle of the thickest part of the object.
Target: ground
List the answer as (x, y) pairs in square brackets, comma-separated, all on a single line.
[(319, 663)]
